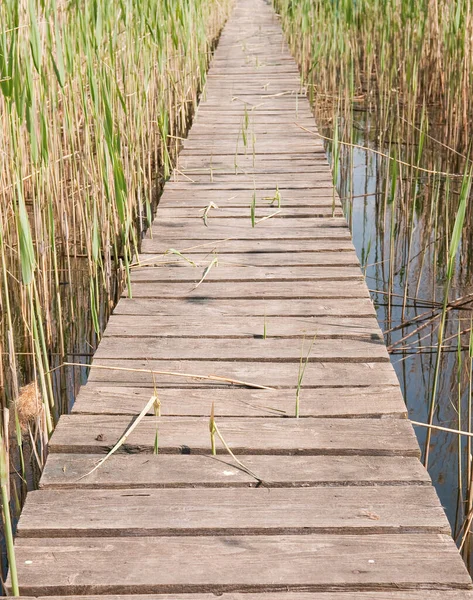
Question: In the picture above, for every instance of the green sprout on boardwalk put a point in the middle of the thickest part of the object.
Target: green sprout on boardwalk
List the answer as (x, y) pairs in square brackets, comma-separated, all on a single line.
[(300, 377), (253, 209), (206, 211)]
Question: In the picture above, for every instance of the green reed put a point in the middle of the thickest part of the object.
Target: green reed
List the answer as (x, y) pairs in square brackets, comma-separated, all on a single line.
[(93, 100), (392, 81)]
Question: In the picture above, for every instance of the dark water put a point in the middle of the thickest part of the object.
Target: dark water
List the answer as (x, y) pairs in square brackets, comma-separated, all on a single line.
[(80, 342), (382, 247)]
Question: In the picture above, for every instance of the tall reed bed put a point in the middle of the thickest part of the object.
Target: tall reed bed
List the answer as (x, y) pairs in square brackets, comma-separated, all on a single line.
[(391, 85), (94, 97), (396, 54)]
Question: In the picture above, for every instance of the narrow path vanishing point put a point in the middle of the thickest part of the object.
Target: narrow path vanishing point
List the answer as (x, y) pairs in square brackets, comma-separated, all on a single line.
[(346, 510)]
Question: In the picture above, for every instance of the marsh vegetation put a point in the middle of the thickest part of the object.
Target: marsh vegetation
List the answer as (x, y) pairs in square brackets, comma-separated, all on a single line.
[(94, 98), (391, 87)]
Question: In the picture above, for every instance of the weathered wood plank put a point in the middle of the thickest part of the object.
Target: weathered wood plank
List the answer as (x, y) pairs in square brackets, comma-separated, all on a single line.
[(234, 245), (289, 197), (248, 184), (251, 563), (233, 131), (379, 595), (258, 259), (192, 470), (208, 307), (275, 375), (222, 230), (230, 326), (322, 227), (381, 437), (168, 211), (234, 402), (232, 511), (216, 177), (360, 350), (250, 290), (239, 198), (246, 163), (288, 103), (221, 272)]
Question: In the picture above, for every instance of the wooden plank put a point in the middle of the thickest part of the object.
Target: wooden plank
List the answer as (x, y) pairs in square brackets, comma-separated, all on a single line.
[(210, 165), (253, 135), (287, 350), (232, 245), (378, 595), (248, 184), (207, 128), (66, 471), (280, 84), (263, 117), (305, 197), (223, 230), (251, 563), (247, 162), (262, 101), (320, 226), (268, 290), (275, 375), (183, 272), (167, 211), (311, 308), (226, 325), (217, 177), (259, 259), (232, 511), (288, 99), (233, 402), (234, 112), (238, 207), (342, 437)]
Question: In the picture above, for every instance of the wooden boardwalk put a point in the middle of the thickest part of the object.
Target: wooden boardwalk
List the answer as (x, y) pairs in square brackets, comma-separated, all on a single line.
[(344, 509)]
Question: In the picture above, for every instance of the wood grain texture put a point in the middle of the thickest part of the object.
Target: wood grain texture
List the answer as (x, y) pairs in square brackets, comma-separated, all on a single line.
[(232, 511), (255, 259), (234, 402), (345, 350), (231, 245), (182, 272), (256, 289), (241, 198), (295, 212), (379, 595), (195, 471), (210, 307), (239, 563), (308, 227), (275, 375), (227, 325), (97, 433)]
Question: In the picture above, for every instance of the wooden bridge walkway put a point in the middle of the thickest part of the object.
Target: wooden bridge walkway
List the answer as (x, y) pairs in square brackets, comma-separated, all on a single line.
[(344, 509)]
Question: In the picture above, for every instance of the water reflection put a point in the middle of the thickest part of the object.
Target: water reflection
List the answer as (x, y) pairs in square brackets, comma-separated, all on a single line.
[(401, 237)]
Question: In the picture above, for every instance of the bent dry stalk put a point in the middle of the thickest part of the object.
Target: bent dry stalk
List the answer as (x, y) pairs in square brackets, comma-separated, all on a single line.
[(300, 377), (215, 431)]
